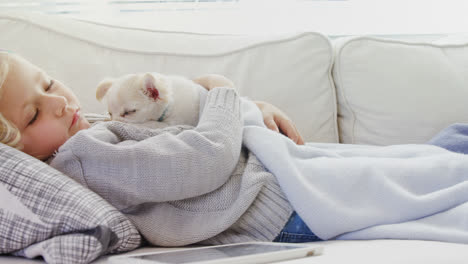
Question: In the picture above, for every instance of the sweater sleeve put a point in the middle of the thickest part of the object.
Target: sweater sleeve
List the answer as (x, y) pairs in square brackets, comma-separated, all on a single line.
[(128, 168)]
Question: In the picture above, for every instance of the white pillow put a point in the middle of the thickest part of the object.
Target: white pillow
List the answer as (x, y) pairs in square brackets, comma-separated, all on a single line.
[(293, 72), (394, 92)]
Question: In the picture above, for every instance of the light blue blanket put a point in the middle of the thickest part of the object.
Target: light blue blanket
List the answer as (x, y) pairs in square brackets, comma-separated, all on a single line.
[(367, 192), (454, 138)]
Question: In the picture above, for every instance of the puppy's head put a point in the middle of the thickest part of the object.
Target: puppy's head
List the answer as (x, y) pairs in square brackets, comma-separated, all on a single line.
[(136, 98)]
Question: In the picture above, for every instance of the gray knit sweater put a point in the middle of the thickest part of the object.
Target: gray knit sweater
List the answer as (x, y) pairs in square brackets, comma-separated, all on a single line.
[(181, 185)]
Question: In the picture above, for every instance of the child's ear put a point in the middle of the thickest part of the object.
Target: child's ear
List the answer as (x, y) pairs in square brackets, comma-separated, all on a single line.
[(149, 86), (102, 88)]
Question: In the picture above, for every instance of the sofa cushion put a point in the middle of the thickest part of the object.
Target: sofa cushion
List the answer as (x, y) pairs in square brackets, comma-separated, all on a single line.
[(395, 92), (45, 213), (291, 71)]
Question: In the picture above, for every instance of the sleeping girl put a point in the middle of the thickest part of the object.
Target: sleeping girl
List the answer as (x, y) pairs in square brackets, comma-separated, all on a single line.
[(229, 179)]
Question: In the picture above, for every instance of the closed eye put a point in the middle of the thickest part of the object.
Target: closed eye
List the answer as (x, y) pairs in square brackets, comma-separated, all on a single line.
[(128, 112), (34, 117), (50, 85)]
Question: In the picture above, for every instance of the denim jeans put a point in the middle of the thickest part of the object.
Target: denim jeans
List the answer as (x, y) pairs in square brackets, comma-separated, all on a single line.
[(296, 231)]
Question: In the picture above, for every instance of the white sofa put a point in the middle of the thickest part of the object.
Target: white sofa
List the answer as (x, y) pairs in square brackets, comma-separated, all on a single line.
[(358, 90)]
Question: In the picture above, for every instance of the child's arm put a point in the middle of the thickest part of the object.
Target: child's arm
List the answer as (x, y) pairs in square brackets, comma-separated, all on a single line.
[(127, 166), (273, 117)]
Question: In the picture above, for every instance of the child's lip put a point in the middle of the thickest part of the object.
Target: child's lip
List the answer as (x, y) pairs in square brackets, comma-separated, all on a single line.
[(76, 116)]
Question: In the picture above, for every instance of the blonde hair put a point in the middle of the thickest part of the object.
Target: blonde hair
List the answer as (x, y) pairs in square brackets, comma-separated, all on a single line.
[(9, 133)]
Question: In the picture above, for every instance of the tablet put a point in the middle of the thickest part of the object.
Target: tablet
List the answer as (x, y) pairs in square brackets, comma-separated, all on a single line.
[(251, 252)]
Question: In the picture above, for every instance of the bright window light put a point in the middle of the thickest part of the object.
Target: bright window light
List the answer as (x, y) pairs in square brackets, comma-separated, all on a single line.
[(331, 17)]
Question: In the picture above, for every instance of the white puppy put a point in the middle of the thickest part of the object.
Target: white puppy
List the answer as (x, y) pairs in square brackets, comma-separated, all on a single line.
[(156, 100)]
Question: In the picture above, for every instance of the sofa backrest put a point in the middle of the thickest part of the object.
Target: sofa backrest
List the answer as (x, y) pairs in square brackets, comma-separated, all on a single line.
[(395, 92), (292, 71), (387, 91)]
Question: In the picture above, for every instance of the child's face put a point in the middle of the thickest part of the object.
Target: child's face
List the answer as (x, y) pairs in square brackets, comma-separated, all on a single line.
[(43, 109)]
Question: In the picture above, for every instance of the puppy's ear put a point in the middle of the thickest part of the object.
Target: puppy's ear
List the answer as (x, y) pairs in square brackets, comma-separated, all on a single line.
[(102, 88), (149, 86)]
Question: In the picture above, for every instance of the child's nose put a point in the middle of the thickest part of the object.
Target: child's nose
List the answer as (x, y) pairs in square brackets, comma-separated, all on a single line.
[(58, 104)]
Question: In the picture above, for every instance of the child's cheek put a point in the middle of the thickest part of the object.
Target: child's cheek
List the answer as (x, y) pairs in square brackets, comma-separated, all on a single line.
[(49, 137)]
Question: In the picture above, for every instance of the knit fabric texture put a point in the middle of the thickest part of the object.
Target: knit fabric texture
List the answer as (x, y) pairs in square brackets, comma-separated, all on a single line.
[(181, 185)]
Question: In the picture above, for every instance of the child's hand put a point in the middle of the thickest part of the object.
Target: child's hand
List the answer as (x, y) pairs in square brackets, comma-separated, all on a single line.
[(210, 81), (278, 121)]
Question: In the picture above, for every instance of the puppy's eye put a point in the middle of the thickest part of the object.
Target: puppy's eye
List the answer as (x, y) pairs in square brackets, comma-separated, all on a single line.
[(128, 112)]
